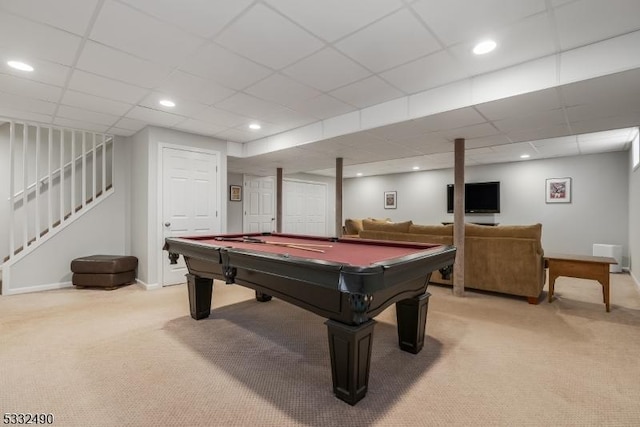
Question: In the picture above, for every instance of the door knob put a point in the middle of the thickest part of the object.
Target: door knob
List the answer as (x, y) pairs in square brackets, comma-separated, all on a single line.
[(167, 224)]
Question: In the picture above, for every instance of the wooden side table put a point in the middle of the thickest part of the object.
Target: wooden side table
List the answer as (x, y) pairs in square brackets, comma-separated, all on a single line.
[(581, 267)]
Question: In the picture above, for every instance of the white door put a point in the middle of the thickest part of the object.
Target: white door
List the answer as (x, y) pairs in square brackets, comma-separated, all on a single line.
[(189, 201), (305, 207), (259, 204)]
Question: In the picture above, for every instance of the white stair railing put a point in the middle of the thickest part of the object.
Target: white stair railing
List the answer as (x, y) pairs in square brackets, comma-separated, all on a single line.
[(54, 175)]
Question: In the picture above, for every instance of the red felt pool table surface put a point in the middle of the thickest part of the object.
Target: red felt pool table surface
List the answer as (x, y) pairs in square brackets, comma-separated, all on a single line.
[(356, 252)]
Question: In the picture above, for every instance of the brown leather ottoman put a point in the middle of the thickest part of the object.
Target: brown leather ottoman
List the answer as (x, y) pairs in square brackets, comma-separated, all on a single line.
[(106, 271)]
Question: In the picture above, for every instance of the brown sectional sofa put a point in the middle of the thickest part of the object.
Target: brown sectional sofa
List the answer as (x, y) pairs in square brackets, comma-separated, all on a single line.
[(506, 258)]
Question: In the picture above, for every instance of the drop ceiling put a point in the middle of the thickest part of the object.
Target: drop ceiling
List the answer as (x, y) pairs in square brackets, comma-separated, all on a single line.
[(103, 65)]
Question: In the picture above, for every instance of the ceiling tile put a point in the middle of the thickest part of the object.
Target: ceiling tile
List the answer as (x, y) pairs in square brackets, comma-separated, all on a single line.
[(106, 88), (532, 121), (216, 63), (236, 135), (326, 70), (450, 120), (183, 107), (282, 90), (14, 113), (202, 17), (198, 127), (268, 38), (425, 73), (29, 88), (515, 46), (154, 117), (456, 21), (21, 103), (80, 114), (583, 22), (220, 117), (288, 119), (130, 124), (188, 86), (394, 40), (37, 41), (108, 62), (131, 31), (55, 13), (94, 103), (44, 71), (120, 132), (248, 105), (345, 16), (367, 92), (80, 124), (525, 104)]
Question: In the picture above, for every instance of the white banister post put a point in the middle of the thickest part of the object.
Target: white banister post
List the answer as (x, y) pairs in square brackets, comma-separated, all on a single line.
[(12, 202), (61, 176), (73, 172), (37, 185), (25, 185), (84, 169), (93, 167), (104, 164), (50, 181)]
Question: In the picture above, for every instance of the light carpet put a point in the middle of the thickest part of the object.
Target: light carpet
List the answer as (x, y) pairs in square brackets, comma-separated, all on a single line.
[(131, 357)]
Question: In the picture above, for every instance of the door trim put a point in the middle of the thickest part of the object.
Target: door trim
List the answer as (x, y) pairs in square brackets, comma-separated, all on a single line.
[(159, 252)]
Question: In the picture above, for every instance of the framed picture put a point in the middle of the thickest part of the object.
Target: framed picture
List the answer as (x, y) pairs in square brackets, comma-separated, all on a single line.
[(558, 190), (390, 200), (235, 193)]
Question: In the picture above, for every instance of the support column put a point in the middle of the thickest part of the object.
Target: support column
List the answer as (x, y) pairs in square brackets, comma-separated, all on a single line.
[(279, 200), (458, 217), (338, 222)]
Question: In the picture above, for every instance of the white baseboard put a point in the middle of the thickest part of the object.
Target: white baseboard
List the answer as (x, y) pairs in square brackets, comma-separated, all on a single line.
[(635, 279), (37, 288), (147, 286)]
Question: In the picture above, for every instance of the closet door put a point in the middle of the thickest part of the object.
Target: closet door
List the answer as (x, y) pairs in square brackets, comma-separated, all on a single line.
[(305, 207)]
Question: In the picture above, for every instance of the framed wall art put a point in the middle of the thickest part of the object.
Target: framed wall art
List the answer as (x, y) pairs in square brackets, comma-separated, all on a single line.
[(235, 193), (558, 190), (390, 200)]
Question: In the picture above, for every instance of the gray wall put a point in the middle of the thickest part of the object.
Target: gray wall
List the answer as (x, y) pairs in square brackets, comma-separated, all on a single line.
[(634, 224), (234, 209), (598, 213)]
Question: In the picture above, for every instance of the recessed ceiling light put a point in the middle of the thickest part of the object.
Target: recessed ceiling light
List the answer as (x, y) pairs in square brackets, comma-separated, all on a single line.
[(254, 126), (484, 47), (415, 168), (359, 174), (525, 156), (167, 103), (20, 66)]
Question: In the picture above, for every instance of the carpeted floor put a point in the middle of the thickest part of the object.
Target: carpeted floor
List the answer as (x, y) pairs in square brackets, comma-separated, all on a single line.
[(135, 358)]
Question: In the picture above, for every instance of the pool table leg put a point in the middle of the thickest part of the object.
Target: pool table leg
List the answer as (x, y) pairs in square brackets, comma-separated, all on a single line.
[(411, 315), (262, 297), (200, 290), (350, 349)]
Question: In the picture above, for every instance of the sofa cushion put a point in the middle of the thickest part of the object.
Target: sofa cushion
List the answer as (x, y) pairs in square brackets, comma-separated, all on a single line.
[(352, 226), (433, 230), (521, 231), (397, 227)]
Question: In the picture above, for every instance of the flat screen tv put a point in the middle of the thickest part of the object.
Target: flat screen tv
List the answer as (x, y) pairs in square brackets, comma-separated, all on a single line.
[(479, 197)]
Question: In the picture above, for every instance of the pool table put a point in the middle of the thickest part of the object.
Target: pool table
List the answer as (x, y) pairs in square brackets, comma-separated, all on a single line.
[(347, 281)]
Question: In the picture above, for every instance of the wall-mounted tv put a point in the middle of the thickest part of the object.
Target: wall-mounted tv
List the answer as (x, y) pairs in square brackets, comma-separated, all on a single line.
[(479, 197)]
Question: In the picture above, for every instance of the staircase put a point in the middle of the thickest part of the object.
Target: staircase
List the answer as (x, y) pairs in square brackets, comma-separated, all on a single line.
[(50, 176)]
